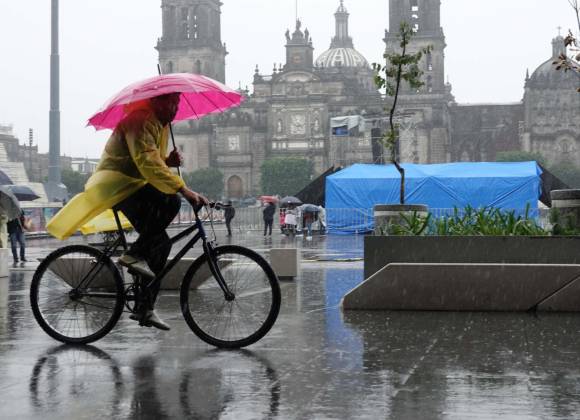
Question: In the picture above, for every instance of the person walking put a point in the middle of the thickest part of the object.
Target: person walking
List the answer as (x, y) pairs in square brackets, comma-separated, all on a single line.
[(290, 221), (268, 213), (308, 221), (16, 233), (229, 214)]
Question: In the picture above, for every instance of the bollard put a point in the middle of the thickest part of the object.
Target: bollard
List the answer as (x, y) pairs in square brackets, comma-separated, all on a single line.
[(285, 262)]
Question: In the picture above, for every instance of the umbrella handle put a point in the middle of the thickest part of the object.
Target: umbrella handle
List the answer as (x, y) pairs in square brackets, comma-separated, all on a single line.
[(170, 126)]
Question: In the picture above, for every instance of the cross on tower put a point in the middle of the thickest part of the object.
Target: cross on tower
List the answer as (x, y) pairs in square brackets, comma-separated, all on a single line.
[(559, 30)]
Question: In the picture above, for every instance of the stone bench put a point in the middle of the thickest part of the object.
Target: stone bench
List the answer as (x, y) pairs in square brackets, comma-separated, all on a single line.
[(469, 287)]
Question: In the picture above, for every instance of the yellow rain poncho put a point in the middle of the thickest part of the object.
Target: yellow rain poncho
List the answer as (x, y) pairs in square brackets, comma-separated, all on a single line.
[(134, 156)]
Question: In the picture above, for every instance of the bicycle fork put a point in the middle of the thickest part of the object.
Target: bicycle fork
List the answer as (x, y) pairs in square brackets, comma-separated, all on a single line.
[(216, 272)]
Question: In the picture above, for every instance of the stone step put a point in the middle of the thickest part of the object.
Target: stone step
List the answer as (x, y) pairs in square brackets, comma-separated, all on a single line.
[(469, 287)]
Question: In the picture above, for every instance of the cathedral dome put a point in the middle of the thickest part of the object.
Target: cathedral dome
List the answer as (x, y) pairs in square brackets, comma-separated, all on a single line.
[(341, 52), (546, 73), (342, 57)]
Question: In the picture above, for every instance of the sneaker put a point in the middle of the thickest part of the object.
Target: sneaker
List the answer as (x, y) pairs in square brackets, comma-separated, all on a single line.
[(138, 265), (24, 260), (151, 319)]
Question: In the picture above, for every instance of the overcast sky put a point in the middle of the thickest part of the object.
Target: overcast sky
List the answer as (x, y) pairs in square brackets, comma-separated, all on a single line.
[(107, 44)]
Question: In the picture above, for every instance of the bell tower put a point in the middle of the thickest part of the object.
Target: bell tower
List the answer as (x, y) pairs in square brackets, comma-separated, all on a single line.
[(424, 17), (299, 49), (191, 40), (424, 112)]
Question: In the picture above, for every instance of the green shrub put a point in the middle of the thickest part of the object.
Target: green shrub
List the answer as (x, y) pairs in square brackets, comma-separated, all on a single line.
[(468, 222)]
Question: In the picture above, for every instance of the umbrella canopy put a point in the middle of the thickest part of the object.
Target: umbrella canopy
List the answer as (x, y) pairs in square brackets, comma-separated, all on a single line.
[(22, 192), (290, 201), (200, 96), (9, 204), (309, 208), (5, 179), (268, 199)]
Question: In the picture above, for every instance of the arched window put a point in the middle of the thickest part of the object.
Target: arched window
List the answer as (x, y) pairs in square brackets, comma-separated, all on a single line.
[(235, 187), (197, 67), (185, 29), (415, 15), (195, 27), (169, 68)]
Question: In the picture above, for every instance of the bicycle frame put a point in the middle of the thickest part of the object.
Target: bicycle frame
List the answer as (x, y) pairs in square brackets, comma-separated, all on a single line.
[(208, 250)]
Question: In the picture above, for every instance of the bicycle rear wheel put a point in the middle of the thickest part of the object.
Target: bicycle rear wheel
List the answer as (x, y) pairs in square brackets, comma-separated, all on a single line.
[(242, 321), (77, 295)]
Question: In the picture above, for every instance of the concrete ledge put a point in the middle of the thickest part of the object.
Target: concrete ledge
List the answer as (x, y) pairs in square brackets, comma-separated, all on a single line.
[(383, 250), (469, 287), (4, 261)]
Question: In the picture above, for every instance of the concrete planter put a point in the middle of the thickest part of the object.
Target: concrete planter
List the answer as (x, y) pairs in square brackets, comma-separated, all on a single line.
[(390, 214), (566, 208), (383, 250)]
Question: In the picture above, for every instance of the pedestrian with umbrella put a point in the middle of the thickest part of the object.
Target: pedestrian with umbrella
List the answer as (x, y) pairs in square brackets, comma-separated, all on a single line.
[(309, 212), (16, 229), (268, 214), (134, 173), (9, 209)]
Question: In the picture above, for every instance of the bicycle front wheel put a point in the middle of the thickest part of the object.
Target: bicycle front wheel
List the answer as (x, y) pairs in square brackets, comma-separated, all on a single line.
[(245, 319), (77, 295)]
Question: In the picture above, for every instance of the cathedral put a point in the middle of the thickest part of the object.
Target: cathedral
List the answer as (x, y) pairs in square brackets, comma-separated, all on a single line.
[(288, 113)]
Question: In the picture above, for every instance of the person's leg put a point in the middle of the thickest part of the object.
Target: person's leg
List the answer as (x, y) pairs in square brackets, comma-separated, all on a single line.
[(270, 224), (229, 226), (150, 212), (13, 246), (22, 241)]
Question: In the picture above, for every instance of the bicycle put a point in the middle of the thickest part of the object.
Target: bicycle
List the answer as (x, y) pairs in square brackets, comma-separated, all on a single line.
[(230, 296)]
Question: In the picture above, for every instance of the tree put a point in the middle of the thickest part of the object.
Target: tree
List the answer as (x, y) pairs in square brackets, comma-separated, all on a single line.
[(209, 182), (571, 62), (285, 176), (399, 68), (519, 156), (74, 181)]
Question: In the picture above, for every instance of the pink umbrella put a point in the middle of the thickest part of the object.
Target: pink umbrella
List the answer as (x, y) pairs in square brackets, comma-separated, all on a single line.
[(200, 96)]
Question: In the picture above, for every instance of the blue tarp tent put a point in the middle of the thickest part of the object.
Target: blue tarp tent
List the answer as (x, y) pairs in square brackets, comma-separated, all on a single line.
[(352, 193)]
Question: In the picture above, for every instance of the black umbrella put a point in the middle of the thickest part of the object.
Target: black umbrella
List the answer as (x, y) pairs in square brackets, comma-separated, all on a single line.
[(309, 208), (9, 204), (22, 192), (290, 201), (5, 179)]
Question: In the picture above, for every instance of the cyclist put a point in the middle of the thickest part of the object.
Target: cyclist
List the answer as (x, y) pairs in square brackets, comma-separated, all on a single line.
[(134, 176)]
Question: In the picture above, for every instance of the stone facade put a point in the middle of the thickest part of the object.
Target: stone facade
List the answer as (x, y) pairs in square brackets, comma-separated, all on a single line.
[(36, 164), (288, 111), (552, 110)]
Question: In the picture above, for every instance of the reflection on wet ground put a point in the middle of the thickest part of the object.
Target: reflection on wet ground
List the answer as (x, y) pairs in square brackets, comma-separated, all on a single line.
[(317, 363)]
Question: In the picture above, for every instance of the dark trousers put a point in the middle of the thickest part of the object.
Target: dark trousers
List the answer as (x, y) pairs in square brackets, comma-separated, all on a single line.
[(268, 225), (150, 212), (15, 239), (229, 226)]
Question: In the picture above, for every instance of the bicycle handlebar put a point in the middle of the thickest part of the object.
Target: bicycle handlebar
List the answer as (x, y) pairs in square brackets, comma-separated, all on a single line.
[(212, 205)]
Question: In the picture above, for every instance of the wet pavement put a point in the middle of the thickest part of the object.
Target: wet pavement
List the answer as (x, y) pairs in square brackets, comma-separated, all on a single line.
[(316, 363)]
